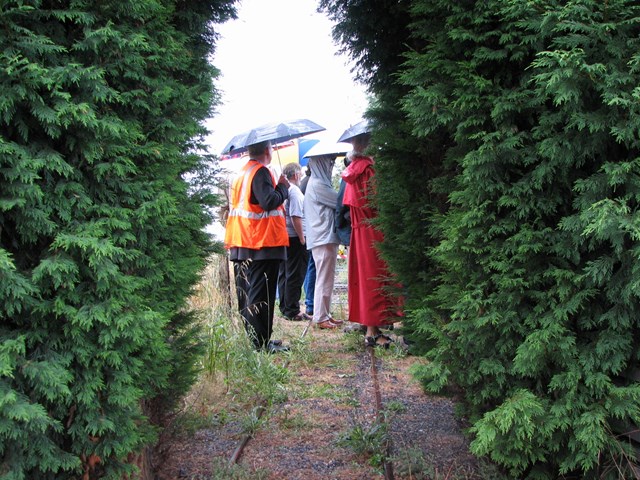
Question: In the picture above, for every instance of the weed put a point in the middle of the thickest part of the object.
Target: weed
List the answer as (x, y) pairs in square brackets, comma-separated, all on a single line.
[(338, 364), (332, 392), (222, 330), (222, 417), (368, 441), (223, 471), (395, 350), (410, 462), (353, 341), (353, 402), (315, 391), (394, 406), (296, 422), (304, 355), (221, 338), (257, 375), (235, 378), (189, 422), (252, 422), (413, 464)]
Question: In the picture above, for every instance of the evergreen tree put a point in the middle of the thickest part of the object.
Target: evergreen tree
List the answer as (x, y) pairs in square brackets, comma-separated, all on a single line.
[(101, 236), (537, 250), (534, 310)]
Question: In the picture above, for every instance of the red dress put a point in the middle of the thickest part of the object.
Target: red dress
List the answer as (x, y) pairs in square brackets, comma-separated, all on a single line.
[(369, 303)]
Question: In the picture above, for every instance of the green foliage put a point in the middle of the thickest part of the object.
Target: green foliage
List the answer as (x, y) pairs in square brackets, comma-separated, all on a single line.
[(101, 235), (221, 470), (526, 116), (367, 440), (539, 325)]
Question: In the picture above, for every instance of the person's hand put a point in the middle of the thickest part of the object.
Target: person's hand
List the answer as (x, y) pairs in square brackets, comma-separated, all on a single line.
[(283, 180)]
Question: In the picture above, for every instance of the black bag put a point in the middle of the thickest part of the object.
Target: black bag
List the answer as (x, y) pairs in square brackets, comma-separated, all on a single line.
[(343, 218)]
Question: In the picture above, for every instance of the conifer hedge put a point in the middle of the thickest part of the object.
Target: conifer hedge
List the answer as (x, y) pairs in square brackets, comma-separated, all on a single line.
[(101, 236), (533, 305)]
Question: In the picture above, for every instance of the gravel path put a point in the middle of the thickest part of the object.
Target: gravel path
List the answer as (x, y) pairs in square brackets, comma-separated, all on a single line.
[(329, 397)]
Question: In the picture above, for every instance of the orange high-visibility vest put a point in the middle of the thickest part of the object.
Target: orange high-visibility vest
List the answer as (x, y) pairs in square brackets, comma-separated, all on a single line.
[(249, 226)]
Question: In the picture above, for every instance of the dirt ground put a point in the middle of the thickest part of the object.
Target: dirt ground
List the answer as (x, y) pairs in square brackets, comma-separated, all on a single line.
[(330, 397)]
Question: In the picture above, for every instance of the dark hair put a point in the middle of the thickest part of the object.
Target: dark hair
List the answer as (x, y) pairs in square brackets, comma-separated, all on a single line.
[(258, 148)]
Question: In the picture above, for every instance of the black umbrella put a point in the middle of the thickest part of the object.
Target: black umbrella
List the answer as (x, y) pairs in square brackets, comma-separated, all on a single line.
[(276, 132), (355, 130)]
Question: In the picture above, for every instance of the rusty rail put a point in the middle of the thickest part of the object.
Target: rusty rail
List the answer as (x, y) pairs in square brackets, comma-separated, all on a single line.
[(388, 466)]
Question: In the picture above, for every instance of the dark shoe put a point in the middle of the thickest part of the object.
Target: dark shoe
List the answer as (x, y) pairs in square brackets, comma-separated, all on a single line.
[(307, 316), (270, 344), (296, 318), (277, 347), (326, 325)]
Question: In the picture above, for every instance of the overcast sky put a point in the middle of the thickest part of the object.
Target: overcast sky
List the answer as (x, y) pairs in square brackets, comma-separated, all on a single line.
[(279, 62)]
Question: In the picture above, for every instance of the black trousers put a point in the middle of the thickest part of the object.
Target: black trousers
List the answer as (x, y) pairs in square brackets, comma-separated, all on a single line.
[(256, 282), (291, 277)]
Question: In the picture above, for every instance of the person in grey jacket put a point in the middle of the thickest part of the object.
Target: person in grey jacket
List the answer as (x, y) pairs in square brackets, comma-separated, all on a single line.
[(319, 217)]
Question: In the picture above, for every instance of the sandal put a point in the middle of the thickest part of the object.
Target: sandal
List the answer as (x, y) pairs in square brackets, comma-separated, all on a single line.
[(386, 340), (369, 341)]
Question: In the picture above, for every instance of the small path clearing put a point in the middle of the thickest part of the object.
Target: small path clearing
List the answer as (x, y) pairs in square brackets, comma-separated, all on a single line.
[(329, 396)]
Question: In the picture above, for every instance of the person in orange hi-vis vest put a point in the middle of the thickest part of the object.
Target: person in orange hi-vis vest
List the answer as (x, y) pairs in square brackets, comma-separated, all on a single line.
[(256, 236)]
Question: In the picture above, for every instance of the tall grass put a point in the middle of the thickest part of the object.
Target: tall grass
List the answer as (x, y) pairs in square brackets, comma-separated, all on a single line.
[(222, 327), (233, 374)]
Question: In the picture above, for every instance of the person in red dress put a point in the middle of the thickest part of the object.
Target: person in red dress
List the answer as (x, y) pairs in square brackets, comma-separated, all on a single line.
[(370, 302)]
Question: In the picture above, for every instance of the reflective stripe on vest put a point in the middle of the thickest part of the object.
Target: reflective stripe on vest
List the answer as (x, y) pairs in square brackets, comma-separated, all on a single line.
[(248, 225)]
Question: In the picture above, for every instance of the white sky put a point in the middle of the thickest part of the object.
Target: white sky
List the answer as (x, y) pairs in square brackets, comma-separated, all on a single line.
[(279, 62)]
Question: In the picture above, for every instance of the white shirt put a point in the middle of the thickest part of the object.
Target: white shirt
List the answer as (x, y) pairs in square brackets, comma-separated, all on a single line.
[(294, 208)]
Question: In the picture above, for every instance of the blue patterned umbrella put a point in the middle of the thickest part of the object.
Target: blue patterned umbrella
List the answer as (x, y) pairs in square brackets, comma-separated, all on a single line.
[(304, 144), (276, 132)]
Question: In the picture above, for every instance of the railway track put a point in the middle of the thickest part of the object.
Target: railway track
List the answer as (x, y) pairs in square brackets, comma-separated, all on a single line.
[(236, 456)]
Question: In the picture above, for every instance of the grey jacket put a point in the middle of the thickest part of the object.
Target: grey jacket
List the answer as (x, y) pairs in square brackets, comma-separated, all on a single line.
[(320, 204)]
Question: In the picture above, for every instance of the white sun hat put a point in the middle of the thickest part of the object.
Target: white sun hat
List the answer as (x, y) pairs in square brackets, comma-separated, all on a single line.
[(329, 148)]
